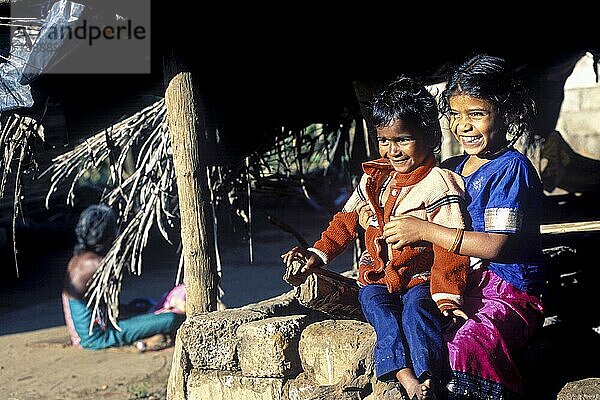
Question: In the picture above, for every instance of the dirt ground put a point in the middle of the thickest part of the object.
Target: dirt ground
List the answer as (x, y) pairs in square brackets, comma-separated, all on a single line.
[(37, 364)]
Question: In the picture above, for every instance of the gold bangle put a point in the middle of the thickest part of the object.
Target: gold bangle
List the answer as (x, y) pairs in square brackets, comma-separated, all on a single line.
[(457, 240)]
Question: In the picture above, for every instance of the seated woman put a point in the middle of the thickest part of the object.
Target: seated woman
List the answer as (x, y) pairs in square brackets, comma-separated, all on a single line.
[(96, 230)]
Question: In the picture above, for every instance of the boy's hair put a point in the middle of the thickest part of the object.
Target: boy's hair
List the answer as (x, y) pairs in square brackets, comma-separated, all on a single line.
[(407, 99), (491, 79), (96, 229)]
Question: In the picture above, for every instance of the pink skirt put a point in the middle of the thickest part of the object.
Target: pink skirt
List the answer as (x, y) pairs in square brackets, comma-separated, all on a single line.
[(501, 319), (172, 301)]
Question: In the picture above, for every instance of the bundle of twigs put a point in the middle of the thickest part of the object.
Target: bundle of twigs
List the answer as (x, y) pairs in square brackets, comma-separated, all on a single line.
[(295, 152), (144, 197), (16, 134)]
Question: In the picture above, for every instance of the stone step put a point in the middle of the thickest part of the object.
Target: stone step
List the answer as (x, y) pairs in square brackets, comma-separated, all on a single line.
[(269, 347), (328, 347), (222, 385), (210, 338)]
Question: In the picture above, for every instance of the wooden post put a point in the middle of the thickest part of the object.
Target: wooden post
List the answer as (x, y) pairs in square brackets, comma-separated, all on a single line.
[(190, 149)]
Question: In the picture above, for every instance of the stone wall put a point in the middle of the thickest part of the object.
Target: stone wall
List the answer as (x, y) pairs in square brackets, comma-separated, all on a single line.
[(579, 121), (273, 350)]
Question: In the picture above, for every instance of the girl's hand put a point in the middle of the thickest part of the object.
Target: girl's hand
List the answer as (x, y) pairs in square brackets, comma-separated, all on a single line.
[(452, 317), (308, 258), (403, 230), (364, 214)]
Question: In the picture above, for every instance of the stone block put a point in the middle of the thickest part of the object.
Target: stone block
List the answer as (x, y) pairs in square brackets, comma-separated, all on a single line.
[(269, 347), (218, 385), (303, 387), (590, 99), (585, 389), (210, 338), (328, 347), (572, 101), (175, 385)]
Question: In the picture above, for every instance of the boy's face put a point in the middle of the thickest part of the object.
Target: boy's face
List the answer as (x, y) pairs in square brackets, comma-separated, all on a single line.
[(403, 145), (475, 124)]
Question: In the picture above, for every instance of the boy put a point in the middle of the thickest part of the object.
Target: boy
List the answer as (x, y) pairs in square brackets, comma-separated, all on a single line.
[(400, 288)]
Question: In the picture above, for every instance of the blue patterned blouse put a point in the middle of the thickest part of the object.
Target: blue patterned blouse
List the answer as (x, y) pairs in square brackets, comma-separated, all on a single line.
[(505, 196)]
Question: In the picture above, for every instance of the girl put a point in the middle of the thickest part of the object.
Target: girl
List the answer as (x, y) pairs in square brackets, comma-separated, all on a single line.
[(485, 104)]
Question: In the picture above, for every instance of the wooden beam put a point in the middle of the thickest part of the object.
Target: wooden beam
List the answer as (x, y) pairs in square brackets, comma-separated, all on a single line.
[(569, 227), (190, 152)]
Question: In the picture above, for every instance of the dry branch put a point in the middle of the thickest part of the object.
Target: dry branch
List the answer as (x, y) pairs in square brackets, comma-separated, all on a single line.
[(144, 197), (16, 133)]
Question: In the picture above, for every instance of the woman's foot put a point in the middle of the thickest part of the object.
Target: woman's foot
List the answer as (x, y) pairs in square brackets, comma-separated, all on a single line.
[(154, 343)]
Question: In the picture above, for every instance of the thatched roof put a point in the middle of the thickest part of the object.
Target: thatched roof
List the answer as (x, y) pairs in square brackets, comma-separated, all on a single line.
[(257, 73)]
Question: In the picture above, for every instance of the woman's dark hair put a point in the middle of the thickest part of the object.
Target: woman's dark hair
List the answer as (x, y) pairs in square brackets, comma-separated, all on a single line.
[(96, 229), (492, 79), (407, 99)]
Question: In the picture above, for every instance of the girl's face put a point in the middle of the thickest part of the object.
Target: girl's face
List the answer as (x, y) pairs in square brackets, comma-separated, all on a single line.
[(403, 145), (476, 124)]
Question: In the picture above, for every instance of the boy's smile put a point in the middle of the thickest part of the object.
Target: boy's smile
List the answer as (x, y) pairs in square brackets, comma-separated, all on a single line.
[(402, 144)]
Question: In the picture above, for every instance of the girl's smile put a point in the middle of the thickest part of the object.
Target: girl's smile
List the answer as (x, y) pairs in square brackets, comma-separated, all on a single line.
[(475, 124)]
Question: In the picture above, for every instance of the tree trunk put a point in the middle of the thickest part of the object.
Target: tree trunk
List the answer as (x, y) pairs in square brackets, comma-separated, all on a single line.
[(190, 149)]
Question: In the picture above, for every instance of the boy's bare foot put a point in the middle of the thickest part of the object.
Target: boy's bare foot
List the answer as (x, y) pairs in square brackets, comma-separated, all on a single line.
[(411, 384), (427, 390), (420, 391)]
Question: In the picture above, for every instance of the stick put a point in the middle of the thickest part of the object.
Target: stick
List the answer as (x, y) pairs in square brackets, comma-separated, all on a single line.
[(279, 223)]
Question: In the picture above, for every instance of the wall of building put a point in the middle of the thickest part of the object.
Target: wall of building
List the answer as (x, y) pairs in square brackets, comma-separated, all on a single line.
[(579, 121)]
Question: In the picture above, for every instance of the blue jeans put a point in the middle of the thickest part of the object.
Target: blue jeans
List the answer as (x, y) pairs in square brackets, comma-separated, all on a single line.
[(408, 328)]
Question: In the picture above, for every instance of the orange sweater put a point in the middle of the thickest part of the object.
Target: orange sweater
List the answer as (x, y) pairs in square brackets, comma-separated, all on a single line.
[(429, 193)]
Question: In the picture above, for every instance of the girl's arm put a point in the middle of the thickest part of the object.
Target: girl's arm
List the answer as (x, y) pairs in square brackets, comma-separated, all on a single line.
[(405, 229)]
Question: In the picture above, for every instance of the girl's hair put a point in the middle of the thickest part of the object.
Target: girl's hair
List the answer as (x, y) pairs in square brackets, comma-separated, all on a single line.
[(407, 99), (96, 229), (491, 79)]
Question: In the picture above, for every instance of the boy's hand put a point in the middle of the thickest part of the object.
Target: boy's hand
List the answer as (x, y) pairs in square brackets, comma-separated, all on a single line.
[(364, 214), (308, 258)]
